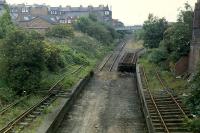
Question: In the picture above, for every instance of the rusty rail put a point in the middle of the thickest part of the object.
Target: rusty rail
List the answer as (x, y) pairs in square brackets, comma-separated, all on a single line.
[(165, 86), (64, 78), (116, 57), (153, 101)]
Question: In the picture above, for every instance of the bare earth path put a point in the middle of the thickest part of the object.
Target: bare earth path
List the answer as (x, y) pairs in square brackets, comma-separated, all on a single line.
[(109, 104)]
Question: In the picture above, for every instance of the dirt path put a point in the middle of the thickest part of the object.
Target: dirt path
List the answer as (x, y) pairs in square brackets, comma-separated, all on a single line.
[(109, 104)]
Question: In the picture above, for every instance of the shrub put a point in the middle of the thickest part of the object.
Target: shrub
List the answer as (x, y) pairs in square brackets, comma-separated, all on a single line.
[(53, 59), (86, 45), (60, 31), (194, 101), (102, 32), (157, 56), (194, 125), (23, 60)]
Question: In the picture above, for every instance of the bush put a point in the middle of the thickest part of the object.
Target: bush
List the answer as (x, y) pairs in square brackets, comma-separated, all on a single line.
[(86, 45), (102, 32), (60, 31), (157, 56), (23, 60), (194, 101), (194, 125), (53, 59)]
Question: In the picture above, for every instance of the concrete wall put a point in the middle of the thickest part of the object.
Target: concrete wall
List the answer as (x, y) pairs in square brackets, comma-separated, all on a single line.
[(145, 110), (194, 58)]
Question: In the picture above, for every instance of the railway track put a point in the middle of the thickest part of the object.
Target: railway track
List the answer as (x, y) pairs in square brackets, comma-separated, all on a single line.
[(111, 60), (167, 112), (25, 119)]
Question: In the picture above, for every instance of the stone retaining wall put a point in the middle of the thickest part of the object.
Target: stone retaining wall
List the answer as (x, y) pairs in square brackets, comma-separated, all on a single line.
[(145, 110)]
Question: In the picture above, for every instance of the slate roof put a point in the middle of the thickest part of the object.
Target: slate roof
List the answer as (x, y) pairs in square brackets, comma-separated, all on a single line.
[(79, 9), (2, 2), (46, 18)]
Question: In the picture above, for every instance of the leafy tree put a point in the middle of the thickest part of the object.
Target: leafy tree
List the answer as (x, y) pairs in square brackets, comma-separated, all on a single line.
[(6, 24), (178, 36), (139, 34), (23, 60), (60, 31), (186, 16), (176, 40), (153, 31)]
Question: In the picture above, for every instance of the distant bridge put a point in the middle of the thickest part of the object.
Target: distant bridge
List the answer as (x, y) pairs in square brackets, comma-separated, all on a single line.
[(129, 28)]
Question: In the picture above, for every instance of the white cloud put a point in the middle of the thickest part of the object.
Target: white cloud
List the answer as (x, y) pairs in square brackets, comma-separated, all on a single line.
[(128, 11)]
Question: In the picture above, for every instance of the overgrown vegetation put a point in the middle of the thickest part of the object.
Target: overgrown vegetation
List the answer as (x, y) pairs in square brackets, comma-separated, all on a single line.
[(170, 41), (102, 32), (193, 102), (60, 31), (154, 29), (31, 62), (23, 60), (166, 44)]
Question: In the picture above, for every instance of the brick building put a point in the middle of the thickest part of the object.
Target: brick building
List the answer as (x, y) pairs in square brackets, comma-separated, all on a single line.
[(43, 16), (194, 59)]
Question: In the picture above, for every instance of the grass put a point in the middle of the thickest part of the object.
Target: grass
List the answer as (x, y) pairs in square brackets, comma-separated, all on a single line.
[(179, 85), (136, 44), (38, 121), (18, 109)]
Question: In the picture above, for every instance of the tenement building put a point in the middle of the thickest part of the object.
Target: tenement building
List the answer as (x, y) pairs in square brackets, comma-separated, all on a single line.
[(43, 16), (195, 45), (2, 2)]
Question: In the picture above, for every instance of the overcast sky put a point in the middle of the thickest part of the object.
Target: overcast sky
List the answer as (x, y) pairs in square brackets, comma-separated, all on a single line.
[(130, 12)]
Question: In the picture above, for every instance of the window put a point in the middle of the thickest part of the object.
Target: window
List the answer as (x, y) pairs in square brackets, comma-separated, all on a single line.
[(24, 9), (62, 21), (107, 13), (69, 21), (53, 12)]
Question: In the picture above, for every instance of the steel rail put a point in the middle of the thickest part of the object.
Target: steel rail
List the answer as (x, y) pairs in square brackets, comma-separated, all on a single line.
[(172, 97), (153, 100), (101, 68)]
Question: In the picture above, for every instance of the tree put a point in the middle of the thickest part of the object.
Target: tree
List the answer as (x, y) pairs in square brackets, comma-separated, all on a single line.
[(6, 24), (153, 31), (178, 36), (176, 40), (23, 60)]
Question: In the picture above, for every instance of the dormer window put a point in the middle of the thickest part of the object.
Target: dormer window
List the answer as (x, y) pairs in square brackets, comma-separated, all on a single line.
[(24, 9), (107, 13), (53, 12)]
